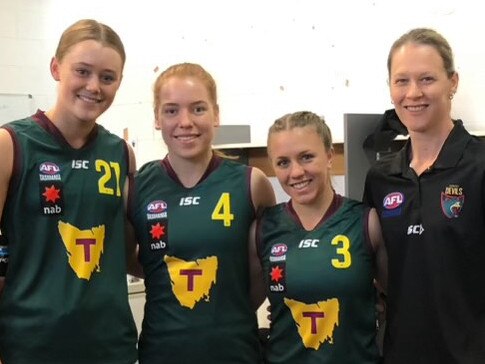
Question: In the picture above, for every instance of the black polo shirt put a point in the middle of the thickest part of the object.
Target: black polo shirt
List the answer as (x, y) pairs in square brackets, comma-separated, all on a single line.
[(434, 227)]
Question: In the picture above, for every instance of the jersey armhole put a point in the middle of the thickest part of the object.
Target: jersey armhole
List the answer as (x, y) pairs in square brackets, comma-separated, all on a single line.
[(257, 239), (365, 221), (16, 162), (250, 192)]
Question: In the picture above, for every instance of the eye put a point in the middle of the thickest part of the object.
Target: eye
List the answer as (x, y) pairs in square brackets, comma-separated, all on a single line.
[(282, 163), (108, 79), (83, 72), (200, 109), (400, 81), (427, 79), (169, 111), (307, 157)]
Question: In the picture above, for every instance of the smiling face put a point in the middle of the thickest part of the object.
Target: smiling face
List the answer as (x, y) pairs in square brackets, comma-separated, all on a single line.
[(88, 77), (187, 117), (301, 163), (421, 88)]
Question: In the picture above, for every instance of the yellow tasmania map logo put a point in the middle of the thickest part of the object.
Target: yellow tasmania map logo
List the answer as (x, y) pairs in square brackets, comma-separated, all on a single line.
[(84, 248), (191, 280), (316, 322)]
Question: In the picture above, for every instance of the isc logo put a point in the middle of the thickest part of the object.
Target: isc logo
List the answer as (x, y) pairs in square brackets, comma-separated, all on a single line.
[(80, 164), (393, 200), (49, 168), (309, 243), (187, 201)]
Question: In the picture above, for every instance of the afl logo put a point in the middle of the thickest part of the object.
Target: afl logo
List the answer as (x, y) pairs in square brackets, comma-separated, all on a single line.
[(156, 207), (279, 249), (49, 168), (393, 200)]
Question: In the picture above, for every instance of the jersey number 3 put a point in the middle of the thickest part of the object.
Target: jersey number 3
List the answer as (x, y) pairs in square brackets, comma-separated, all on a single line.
[(222, 211), (345, 259)]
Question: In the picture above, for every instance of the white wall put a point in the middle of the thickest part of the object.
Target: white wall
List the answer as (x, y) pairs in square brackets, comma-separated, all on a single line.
[(268, 56)]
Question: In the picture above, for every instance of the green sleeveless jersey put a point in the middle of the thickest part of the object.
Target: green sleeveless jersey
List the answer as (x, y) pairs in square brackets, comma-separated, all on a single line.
[(65, 298), (320, 287), (194, 251)]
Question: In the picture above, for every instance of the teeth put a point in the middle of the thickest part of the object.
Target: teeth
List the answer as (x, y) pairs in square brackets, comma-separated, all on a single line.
[(89, 99), (300, 185), (415, 108), (186, 137)]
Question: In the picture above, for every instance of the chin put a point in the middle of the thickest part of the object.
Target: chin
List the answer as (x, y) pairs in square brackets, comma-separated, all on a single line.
[(303, 200)]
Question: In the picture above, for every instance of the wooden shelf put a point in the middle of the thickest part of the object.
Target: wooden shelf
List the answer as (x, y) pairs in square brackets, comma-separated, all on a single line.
[(258, 157)]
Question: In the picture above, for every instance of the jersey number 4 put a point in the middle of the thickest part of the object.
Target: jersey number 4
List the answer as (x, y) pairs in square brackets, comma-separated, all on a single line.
[(222, 211)]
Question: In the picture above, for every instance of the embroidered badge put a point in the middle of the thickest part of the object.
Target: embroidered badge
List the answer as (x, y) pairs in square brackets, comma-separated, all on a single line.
[(157, 225), (452, 201), (277, 274), (278, 252), (158, 234), (156, 210), (392, 204), (51, 199)]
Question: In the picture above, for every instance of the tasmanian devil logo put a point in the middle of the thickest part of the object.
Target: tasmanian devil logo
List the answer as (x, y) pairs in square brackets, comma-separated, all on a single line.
[(452, 201)]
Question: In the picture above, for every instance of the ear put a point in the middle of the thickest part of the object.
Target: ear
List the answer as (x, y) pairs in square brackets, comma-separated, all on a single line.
[(55, 69), (216, 119), (330, 155), (454, 82), (156, 120)]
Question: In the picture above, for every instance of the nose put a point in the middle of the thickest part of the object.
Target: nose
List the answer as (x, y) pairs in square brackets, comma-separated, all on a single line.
[(414, 91), (185, 120), (93, 84), (296, 170)]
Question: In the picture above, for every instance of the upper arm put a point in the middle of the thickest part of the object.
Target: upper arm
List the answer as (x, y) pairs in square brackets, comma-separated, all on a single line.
[(262, 193), (133, 265), (379, 247), (257, 289), (131, 171), (6, 166), (131, 158), (262, 196)]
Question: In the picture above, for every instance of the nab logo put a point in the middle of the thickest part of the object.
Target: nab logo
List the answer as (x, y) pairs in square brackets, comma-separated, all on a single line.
[(80, 164), (279, 249), (393, 200), (158, 245), (277, 287), (187, 201), (49, 168), (308, 243), (156, 206), (415, 229)]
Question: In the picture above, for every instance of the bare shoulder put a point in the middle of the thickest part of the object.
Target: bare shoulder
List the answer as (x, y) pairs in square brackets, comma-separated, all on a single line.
[(374, 227), (262, 192), (131, 158), (6, 164)]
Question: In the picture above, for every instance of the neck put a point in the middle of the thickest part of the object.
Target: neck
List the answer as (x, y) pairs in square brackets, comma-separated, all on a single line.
[(190, 171), (425, 147), (311, 214), (75, 132)]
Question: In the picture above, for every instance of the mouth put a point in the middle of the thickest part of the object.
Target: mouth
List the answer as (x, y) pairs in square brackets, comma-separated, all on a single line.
[(186, 138), (416, 108), (300, 185), (89, 99)]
